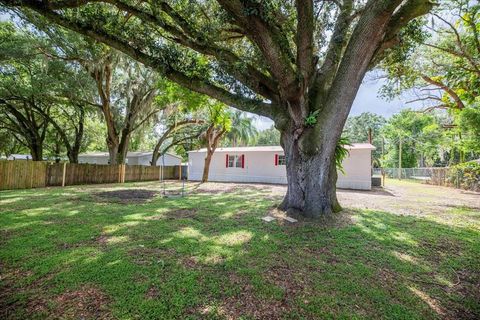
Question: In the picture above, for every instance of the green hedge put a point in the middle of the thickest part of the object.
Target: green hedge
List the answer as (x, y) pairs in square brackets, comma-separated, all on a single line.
[(465, 175)]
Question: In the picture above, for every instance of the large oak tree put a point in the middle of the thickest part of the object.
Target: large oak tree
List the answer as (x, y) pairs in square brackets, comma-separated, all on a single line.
[(299, 63)]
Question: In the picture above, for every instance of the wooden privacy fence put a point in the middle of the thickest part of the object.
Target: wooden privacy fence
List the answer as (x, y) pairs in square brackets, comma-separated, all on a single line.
[(20, 174)]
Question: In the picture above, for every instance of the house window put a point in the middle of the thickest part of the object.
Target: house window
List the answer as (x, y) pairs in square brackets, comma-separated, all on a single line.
[(235, 161), (281, 160)]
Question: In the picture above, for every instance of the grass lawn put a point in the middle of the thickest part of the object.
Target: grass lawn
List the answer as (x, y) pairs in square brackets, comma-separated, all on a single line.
[(124, 252)]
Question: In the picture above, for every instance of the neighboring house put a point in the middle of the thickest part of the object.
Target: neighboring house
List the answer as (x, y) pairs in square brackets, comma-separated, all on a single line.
[(267, 165), (19, 157), (133, 158)]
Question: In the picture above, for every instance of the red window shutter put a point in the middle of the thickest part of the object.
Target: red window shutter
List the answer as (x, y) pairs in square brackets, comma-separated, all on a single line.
[(276, 159), (243, 161), (226, 161)]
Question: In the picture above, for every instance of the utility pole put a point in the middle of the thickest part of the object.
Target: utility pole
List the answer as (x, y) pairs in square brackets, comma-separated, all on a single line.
[(400, 159), (383, 157), (370, 141), (462, 153), (383, 147)]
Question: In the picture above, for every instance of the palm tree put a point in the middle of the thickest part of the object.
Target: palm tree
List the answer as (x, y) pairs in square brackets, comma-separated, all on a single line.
[(242, 130)]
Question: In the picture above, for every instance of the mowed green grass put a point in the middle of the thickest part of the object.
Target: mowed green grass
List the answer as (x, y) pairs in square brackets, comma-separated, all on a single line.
[(68, 253)]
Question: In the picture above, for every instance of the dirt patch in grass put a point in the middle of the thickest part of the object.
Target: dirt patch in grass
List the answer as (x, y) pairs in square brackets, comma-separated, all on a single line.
[(181, 214), (190, 262), (292, 281), (87, 302), (6, 235), (464, 285), (176, 214), (243, 305), (151, 256), (152, 293), (247, 303), (102, 240), (126, 196), (22, 301), (9, 302), (467, 286), (220, 188)]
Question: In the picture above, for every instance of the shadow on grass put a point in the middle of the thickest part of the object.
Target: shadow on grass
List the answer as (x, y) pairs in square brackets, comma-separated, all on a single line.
[(218, 259)]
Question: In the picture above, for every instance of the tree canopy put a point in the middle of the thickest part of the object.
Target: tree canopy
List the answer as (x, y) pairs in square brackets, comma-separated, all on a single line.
[(299, 63), (443, 70)]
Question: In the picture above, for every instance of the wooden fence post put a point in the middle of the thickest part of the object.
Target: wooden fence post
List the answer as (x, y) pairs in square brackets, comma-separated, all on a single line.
[(160, 173), (179, 172), (123, 173), (31, 175), (64, 173)]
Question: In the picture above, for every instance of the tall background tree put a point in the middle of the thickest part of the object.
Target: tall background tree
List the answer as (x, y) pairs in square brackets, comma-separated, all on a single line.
[(125, 89), (219, 123), (268, 137), (419, 136), (42, 99), (181, 119), (242, 131), (300, 64), (443, 72), (358, 128)]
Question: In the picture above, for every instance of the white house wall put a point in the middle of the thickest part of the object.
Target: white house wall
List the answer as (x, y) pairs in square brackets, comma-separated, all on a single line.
[(358, 172), (260, 167), (169, 160), (143, 160), (93, 159)]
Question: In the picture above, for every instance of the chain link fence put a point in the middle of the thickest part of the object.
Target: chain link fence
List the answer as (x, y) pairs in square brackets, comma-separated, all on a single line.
[(458, 177)]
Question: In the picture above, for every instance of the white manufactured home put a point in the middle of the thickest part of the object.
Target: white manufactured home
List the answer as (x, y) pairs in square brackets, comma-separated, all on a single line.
[(19, 157), (133, 158), (267, 165)]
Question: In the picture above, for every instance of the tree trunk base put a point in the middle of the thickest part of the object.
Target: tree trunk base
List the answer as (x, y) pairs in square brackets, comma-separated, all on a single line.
[(312, 178), (323, 210)]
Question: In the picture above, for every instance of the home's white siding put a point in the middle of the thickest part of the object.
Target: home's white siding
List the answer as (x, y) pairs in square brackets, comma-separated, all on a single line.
[(19, 157), (133, 159), (93, 159), (144, 160), (358, 170), (170, 160), (260, 167)]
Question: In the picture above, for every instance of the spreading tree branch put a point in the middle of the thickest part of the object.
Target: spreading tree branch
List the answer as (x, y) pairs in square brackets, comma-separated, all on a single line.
[(448, 90), (193, 83)]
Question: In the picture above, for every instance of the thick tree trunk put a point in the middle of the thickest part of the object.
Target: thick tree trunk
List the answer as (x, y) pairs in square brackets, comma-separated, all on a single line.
[(36, 150), (74, 151), (112, 151), (154, 160), (123, 147), (73, 156), (156, 152), (57, 149), (206, 168), (311, 177)]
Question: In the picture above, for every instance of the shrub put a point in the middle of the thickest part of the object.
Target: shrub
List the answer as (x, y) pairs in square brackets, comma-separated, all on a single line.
[(465, 175)]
